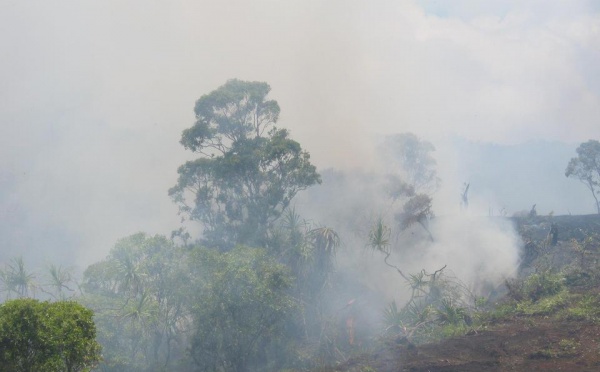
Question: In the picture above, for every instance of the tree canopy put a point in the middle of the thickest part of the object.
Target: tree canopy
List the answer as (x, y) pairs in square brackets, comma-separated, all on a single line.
[(413, 159), (586, 167), (412, 179), (244, 307), (139, 295), (45, 336), (248, 171)]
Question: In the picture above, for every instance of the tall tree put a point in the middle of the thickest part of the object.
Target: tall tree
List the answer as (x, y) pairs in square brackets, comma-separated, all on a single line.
[(413, 178), (60, 281), (16, 279), (248, 170), (586, 168), (414, 161)]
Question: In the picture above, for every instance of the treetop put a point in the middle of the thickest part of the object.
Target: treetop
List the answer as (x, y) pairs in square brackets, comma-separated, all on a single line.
[(234, 111)]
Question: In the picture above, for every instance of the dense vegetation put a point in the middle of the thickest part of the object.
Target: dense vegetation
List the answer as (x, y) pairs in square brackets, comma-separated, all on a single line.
[(47, 336), (259, 289)]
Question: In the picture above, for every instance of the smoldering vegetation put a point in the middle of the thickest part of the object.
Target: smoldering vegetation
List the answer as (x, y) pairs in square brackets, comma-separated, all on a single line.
[(293, 268), (395, 245)]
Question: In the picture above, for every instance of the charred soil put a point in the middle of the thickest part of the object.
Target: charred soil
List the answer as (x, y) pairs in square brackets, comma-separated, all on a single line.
[(520, 344)]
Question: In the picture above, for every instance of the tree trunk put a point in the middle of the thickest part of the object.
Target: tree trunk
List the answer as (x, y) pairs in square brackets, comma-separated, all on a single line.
[(591, 186)]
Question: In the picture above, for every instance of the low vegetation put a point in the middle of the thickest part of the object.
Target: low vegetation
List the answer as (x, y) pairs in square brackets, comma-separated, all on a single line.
[(546, 319)]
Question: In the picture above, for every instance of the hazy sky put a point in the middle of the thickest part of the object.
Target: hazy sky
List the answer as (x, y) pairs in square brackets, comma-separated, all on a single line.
[(94, 95)]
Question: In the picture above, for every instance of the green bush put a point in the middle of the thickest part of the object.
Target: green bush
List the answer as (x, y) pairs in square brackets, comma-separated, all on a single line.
[(542, 284), (588, 309), (545, 306), (45, 336)]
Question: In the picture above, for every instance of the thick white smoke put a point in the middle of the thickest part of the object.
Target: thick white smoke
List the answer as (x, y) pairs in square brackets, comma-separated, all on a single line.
[(478, 250)]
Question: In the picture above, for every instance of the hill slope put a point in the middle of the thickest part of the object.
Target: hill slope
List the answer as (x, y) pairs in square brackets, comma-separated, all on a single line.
[(549, 319)]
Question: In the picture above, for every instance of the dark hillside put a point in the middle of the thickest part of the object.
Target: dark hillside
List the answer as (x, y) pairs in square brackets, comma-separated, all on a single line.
[(569, 227)]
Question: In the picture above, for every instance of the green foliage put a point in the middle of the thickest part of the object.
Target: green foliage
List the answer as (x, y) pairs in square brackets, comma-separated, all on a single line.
[(249, 171), (158, 305), (307, 250), (585, 249), (543, 284), (587, 308), (452, 330), (546, 353), (583, 271), (74, 333), (242, 306), (416, 210), (140, 295), (547, 305), (542, 293), (414, 158), (367, 369), (450, 313), (392, 316), (379, 240), (313, 332), (414, 179), (499, 312), (44, 336), (586, 167), (481, 302), (16, 279), (437, 307), (568, 345), (536, 286), (23, 336), (379, 237), (61, 283), (229, 114), (564, 348)]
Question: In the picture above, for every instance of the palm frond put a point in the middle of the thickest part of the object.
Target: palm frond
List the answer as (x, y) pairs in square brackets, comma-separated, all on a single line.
[(379, 237)]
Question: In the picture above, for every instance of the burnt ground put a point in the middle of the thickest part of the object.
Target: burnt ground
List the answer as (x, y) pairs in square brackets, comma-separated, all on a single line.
[(549, 342), (525, 344)]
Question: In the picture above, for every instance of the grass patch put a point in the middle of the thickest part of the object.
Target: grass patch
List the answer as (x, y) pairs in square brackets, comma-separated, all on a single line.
[(543, 354), (451, 330), (544, 306), (568, 346), (587, 308), (500, 312), (543, 284)]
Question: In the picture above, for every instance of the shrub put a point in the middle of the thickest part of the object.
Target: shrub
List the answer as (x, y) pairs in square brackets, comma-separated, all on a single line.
[(543, 284)]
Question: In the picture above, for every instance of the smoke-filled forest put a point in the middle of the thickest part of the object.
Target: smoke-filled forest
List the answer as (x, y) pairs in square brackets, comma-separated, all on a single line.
[(313, 186)]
